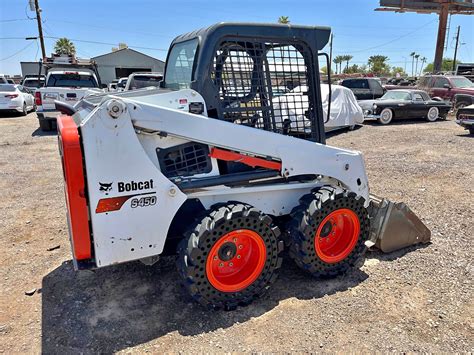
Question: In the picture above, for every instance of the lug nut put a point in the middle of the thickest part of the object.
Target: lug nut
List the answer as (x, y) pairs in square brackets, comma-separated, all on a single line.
[(215, 257), (241, 246), (221, 265), (231, 264), (238, 256)]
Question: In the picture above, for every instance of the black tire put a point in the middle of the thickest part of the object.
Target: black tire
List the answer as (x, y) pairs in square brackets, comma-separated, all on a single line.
[(24, 111), (471, 130), (215, 225), (307, 218), (45, 125)]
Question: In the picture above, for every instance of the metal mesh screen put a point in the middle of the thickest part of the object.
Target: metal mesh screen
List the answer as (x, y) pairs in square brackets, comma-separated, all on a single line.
[(185, 160), (264, 85)]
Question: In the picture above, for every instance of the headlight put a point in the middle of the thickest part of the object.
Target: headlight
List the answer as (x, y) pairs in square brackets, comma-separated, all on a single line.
[(374, 106), (51, 96)]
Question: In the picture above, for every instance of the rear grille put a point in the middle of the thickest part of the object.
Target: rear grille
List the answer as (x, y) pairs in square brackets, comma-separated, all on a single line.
[(184, 160)]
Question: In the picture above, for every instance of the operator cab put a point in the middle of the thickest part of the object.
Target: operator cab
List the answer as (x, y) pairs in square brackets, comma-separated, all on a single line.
[(254, 74)]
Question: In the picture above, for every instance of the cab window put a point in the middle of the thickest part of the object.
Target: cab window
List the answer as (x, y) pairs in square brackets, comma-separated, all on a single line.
[(179, 67), (440, 82)]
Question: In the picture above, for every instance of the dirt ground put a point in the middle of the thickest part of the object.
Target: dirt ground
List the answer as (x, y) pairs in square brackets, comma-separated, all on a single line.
[(416, 300)]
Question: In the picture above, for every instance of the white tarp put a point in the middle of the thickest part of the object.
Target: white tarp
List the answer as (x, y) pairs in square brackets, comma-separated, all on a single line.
[(345, 112)]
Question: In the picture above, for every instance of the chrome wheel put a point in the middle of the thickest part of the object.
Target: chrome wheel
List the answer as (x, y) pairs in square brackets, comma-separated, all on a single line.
[(433, 114), (386, 116)]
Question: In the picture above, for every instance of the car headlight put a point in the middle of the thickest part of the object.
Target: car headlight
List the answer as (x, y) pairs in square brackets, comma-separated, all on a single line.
[(374, 106), (51, 95)]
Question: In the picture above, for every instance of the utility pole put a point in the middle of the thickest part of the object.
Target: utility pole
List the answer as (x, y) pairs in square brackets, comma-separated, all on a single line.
[(330, 54), (40, 28), (456, 48), (443, 21)]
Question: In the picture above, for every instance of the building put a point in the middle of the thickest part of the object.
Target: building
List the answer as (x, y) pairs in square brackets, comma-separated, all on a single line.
[(123, 62)]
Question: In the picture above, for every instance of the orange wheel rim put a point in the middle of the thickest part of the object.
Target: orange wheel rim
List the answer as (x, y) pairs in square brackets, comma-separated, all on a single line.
[(337, 235), (236, 260)]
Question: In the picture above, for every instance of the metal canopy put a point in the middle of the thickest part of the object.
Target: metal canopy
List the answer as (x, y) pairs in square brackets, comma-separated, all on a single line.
[(462, 7)]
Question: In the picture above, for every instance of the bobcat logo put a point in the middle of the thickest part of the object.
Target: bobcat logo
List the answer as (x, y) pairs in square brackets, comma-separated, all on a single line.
[(105, 187)]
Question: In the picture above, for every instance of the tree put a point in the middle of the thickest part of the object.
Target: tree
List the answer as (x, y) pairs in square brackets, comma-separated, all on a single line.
[(377, 64), (412, 55), (398, 70), (347, 58), (284, 19), (423, 61), (64, 46), (416, 67), (338, 60), (446, 65)]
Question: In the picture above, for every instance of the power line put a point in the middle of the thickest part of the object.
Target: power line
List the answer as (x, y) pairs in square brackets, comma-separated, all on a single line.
[(396, 39), (15, 19), (14, 54), (107, 43)]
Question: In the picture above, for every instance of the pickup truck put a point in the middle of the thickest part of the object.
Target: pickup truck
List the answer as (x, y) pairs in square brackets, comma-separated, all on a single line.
[(65, 85), (446, 87)]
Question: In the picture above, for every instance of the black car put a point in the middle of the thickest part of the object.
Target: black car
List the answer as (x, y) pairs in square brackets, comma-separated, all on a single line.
[(405, 104), (364, 88), (465, 118)]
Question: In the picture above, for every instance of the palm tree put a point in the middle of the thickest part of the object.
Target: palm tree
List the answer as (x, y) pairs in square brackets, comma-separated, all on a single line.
[(378, 63), (423, 61), (412, 55), (347, 58), (338, 60), (416, 67), (284, 19), (64, 46)]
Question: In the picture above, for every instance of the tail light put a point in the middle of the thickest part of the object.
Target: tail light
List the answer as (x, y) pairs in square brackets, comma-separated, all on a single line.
[(74, 181), (11, 96), (38, 101)]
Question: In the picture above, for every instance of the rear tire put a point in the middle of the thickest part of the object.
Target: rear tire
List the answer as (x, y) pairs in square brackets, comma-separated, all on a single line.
[(386, 116), (24, 111), (328, 231), (433, 114), (230, 257)]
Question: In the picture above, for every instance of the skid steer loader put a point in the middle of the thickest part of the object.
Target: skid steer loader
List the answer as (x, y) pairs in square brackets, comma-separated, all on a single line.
[(206, 166)]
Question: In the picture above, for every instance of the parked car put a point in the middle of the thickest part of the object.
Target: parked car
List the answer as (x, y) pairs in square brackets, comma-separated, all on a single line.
[(112, 85), (10, 81), (446, 86), (404, 104), (465, 118), (463, 100), (364, 88), (399, 83), (3, 80), (33, 82), (16, 98), (121, 83), (142, 80)]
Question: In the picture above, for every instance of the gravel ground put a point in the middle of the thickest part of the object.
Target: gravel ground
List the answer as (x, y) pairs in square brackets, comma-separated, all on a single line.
[(416, 300)]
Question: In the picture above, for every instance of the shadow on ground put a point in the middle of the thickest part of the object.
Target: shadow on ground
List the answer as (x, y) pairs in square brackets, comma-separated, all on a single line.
[(113, 308), (39, 133)]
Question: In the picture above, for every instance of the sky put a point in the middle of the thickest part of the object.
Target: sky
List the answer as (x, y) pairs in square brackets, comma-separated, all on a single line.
[(95, 26)]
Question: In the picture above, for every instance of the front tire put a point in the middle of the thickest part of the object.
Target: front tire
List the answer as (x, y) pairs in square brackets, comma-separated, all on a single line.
[(433, 114), (230, 257), (328, 231), (386, 116)]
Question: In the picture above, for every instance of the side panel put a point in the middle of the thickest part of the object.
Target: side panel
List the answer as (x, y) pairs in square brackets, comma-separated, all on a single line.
[(131, 203)]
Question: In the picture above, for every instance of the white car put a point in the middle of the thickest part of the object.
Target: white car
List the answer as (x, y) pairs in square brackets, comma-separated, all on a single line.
[(143, 80), (16, 98)]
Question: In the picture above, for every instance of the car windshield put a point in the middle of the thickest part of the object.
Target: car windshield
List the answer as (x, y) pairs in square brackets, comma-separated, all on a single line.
[(143, 81), (33, 83), (462, 82), (179, 67), (7, 88), (72, 80), (396, 95)]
